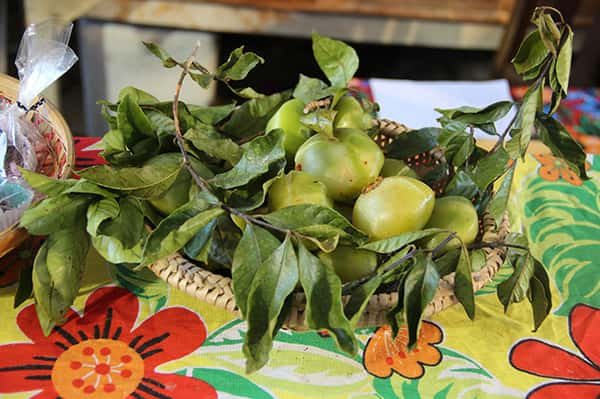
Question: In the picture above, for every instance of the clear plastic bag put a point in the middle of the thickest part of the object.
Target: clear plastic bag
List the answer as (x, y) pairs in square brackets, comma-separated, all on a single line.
[(42, 58)]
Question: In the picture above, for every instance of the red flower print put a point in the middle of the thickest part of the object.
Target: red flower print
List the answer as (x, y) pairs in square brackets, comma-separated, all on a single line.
[(579, 375), (385, 354), (101, 355)]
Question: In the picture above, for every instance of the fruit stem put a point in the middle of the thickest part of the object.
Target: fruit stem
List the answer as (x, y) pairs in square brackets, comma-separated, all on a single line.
[(203, 184)]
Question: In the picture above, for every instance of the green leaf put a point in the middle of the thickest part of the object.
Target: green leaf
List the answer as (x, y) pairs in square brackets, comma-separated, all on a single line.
[(490, 168), (260, 154), (561, 143), (211, 115), (174, 231), (478, 116), (150, 180), (419, 289), (252, 196), (202, 79), (44, 184), (224, 240), (57, 271), (324, 308), (316, 221), (413, 142), (198, 248), (128, 225), (217, 147), (274, 281), (525, 122), (530, 54), (98, 212), (113, 251), (337, 60), (462, 184), (539, 294), (252, 116), (392, 244), (359, 298), (463, 283), (499, 202), (238, 65), (131, 120), (311, 89), (55, 213), (25, 285), (160, 53), (514, 289), (448, 262), (138, 96), (459, 148), (563, 62), (547, 28), (246, 92), (320, 120)]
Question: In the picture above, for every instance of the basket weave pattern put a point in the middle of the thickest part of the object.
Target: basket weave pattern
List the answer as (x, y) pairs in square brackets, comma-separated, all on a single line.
[(218, 290)]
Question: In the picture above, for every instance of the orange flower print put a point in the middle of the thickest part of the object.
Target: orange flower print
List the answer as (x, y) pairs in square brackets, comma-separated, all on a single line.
[(591, 144), (554, 168), (384, 354)]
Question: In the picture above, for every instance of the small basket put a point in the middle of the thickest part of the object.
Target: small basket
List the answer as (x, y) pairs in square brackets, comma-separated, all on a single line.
[(217, 290), (56, 161)]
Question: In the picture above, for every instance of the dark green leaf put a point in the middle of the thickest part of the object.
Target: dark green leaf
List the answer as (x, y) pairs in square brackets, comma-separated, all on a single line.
[(463, 283), (98, 212), (211, 115), (252, 196), (337, 60), (159, 52), (490, 168), (88, 188), (397, 264), (252, 116), (478, 116), (498, 204), (413, 142), (150, 180), (392, 244), (514, 289), (462, 184), (321, 121), (311, 89), (525, 122), (316, 221), (238, 65), (128, 226), (163, 124), (274, 281), (448, 262), (255, 247), (55, 213), (539, 294), (198, 248), (359, 298), (203, 79), (131, 120), (530, 54), (224, 241), (534, 73), (419, 289), (561, 143), (256, 160), (324, 309), (459, 148), (177, 229), (220, 148), (563, 62)]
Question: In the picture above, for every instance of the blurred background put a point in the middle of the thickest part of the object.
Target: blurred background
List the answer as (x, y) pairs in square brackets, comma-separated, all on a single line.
[(399, 39)]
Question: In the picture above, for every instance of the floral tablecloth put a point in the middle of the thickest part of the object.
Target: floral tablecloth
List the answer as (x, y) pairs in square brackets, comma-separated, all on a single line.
[(130, 335)]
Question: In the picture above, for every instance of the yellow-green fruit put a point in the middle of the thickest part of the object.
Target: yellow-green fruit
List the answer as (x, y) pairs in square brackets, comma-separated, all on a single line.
[(179, 192), (350, 114), (457, 214), (345, 163), (297, 188), (397, 167), (350, 263), (395, 205), (287, 118)]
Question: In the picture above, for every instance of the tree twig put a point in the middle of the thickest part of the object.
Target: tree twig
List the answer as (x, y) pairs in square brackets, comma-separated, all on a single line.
[(496, 244), (203, 184)]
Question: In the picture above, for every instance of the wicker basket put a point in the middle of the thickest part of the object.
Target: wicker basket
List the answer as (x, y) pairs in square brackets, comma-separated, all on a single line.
[(217, 290), (55, 161)]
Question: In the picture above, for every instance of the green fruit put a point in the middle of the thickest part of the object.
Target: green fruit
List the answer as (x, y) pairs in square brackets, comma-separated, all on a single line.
[(396, 167), (287, 118), (350, 114), (179, 192), (297, 188), (456, 214), (393, 206), (345, 163), (350, 263)]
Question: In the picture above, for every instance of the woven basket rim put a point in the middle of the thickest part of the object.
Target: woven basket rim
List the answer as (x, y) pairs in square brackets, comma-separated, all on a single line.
[(217, 290)]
